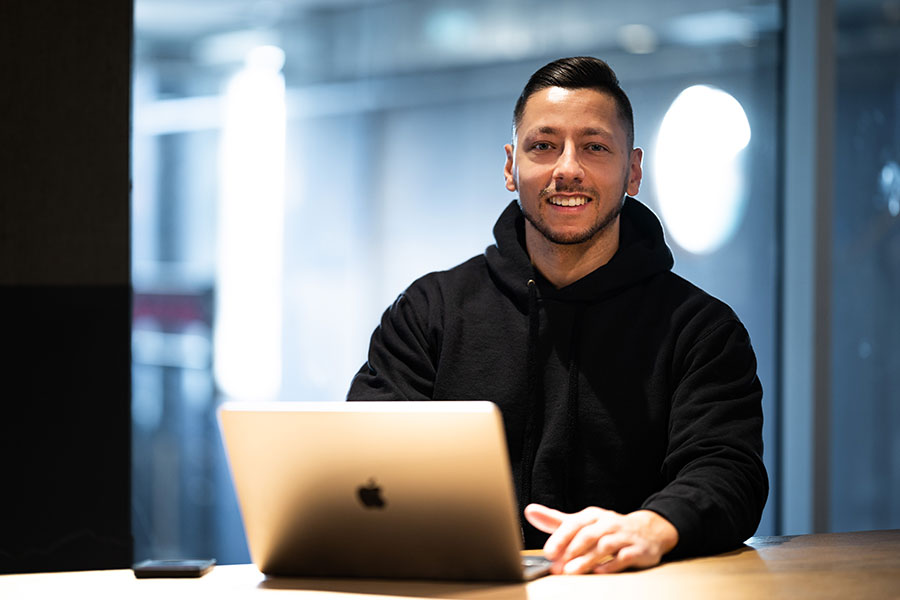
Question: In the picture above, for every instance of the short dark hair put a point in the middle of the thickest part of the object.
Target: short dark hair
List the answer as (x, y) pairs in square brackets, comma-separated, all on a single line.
[(578, 72)]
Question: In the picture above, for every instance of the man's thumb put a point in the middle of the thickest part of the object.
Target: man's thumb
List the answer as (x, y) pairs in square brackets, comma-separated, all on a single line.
[(543, 518)]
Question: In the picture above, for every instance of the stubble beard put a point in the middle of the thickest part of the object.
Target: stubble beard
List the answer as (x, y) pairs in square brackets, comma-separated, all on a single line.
[(577, 237)]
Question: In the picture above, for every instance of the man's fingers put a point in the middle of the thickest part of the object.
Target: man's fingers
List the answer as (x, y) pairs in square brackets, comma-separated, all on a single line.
[(633, 555), (601, 541), (613, 544), (597, 559), (544, 518), (630, 556), (588, 563), (560, 539), (613, 565), (589, 550), (585, 540), (579, 564)]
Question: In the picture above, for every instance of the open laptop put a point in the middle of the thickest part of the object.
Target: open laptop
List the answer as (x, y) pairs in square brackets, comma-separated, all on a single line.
[(376, 489)]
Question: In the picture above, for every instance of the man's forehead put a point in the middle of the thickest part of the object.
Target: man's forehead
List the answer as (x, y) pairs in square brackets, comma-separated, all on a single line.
[(555, 96), (558, 94), (585, 111)]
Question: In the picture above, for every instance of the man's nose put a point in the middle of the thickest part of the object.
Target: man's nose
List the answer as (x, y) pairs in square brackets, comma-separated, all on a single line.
[(568, 166)]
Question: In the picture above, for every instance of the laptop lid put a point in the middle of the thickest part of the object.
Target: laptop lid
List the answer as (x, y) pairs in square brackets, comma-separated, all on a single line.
[(375, 489)]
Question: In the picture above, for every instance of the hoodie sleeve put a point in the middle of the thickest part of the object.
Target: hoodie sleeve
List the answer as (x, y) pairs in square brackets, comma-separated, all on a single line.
[(401, 362), (717, 483)]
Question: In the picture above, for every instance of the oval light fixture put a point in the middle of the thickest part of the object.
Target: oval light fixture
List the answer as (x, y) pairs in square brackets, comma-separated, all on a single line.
[(698, 168)]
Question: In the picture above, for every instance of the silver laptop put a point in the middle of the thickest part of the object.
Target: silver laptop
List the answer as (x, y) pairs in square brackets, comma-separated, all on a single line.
[(376, 489)]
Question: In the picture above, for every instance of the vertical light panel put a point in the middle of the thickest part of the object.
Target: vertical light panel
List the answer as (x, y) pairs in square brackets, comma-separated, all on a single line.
[(250, 242)]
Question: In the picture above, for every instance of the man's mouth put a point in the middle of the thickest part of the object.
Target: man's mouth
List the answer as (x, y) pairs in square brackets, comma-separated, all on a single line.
[(569, 200)]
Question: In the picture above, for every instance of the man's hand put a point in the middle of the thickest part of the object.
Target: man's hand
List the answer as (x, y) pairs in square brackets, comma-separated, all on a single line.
[(595, 540)]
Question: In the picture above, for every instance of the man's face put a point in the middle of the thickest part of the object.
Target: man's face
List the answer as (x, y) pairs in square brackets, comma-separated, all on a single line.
[(571, 164)]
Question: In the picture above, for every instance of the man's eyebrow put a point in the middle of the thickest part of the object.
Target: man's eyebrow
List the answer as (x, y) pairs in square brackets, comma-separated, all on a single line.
[(587, 131), (545, 130), (596, 131)]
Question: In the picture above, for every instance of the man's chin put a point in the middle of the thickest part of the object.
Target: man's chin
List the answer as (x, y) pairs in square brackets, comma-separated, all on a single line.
[(565, 237), (571, 239), (570, 236)]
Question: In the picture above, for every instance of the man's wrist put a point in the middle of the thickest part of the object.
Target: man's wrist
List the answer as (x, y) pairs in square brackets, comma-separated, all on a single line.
[(659, 529)]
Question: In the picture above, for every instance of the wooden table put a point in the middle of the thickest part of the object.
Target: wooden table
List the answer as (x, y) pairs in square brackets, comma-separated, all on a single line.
[(835, 565)]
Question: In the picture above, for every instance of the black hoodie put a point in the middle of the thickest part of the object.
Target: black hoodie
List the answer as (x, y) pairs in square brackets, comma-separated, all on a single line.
[(630, 388)]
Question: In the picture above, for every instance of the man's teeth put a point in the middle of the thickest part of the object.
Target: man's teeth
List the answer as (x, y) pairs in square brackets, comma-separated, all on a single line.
[(568, 200)]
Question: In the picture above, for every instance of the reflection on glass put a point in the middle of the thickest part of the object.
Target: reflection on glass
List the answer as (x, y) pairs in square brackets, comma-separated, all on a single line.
[(890, 187), (698, 168)]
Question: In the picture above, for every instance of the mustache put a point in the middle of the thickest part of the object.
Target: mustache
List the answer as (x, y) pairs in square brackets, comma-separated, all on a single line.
[(560, 188)]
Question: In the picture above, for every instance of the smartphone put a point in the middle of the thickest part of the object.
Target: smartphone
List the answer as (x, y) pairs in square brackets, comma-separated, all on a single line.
[(173, 568)]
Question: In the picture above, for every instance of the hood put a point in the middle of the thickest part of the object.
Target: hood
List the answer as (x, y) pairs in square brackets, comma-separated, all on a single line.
[(642, 253)]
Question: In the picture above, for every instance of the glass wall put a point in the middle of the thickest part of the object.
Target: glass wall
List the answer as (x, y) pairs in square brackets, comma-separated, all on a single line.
[(298, 164), (865, 435)]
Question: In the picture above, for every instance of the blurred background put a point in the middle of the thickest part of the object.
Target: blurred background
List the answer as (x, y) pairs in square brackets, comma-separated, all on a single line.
[(297, 163)]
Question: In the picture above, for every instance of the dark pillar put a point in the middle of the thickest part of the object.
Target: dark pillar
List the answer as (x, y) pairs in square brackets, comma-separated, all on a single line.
[(65, 293)]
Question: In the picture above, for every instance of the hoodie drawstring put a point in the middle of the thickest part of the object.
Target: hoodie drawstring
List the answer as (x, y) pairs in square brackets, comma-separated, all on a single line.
[(572, 437), (534, 416)]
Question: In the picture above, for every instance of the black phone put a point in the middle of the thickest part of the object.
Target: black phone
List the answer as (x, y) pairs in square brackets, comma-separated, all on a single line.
[(173, 568)]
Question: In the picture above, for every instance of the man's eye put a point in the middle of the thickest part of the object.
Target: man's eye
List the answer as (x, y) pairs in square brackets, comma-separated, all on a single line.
[(540, 146), (597, 147)]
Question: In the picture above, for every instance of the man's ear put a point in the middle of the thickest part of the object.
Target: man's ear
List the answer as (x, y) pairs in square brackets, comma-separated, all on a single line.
[(635, 172), (509, 169)]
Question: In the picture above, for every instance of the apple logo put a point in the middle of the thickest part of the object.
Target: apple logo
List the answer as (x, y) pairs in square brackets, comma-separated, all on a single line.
[(370, 495)]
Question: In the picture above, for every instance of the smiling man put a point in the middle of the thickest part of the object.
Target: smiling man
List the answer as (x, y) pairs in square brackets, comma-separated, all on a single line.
[(572, 164), (629, 396)]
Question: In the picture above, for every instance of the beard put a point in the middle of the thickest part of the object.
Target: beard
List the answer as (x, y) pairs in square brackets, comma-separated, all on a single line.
[(603, 220)]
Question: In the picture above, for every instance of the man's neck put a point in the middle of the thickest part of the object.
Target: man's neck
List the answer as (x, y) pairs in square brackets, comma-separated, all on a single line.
[(564, 264)]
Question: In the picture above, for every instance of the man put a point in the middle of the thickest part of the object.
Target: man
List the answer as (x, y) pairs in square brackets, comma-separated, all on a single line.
[(629, 396)]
